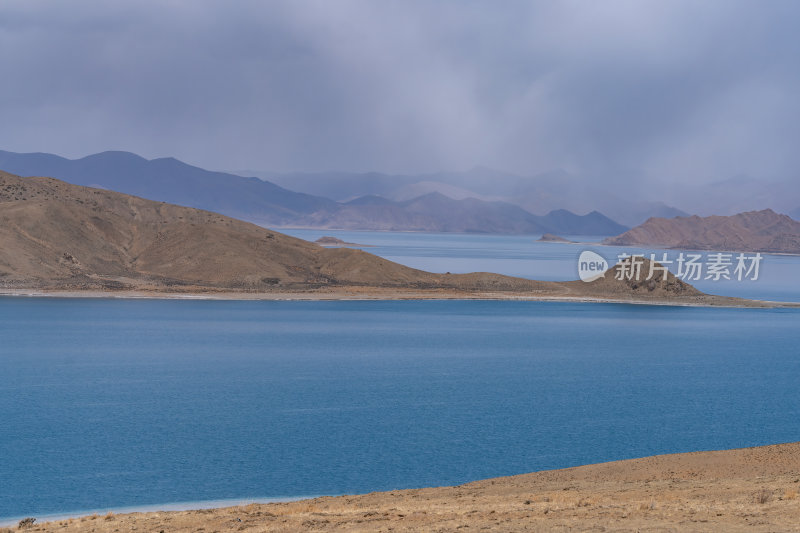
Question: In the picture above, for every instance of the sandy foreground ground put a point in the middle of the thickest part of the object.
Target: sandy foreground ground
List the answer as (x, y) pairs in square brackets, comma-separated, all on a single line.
[(751, 489)]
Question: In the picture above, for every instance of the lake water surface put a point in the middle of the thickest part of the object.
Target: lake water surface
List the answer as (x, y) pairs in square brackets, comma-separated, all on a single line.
[(112, 403)]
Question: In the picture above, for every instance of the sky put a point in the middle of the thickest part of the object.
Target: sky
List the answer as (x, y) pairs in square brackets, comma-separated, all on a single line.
[(629, 91)]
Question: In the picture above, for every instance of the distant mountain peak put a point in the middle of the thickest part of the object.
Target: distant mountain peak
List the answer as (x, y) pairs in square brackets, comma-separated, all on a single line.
[(370, 199), (113, 154), (556, 212), (433, 195), (170, 160)]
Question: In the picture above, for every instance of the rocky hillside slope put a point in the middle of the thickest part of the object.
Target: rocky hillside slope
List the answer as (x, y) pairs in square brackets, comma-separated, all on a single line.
[(754, 231)]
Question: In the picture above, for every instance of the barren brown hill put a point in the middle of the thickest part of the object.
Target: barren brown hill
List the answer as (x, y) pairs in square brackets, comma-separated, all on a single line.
[(754, 231), (750, 489), (60, 237), (638, 279)]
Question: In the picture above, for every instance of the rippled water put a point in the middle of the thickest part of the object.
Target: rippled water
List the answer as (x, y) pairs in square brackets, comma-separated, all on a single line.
[(110, 403)]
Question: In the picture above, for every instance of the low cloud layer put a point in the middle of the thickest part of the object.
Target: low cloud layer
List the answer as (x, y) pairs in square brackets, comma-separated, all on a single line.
[(633, 92)]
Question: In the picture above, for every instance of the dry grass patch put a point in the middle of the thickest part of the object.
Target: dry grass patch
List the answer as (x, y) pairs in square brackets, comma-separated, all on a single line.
[(294, 508), (651, 506)]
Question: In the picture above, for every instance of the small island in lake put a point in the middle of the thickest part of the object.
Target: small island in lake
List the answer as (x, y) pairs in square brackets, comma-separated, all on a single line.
[(329, 241), (550, 237)]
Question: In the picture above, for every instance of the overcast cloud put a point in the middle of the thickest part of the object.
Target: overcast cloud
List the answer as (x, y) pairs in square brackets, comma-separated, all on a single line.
[(669, 91)]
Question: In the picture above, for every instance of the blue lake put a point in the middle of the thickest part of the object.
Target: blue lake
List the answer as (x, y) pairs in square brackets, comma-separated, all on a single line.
[(522, 256), (111, 403)]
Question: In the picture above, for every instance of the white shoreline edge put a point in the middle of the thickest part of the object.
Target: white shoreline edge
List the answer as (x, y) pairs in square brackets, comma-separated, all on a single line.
[(152, 508), (321, 297)]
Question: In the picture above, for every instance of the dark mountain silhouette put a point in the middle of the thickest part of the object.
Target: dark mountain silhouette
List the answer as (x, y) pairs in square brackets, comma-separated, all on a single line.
[(263, 202), (566, 222), (170, 180), (438, 213)]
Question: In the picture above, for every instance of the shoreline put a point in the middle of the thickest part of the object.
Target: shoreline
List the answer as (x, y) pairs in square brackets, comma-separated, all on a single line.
[(373, 294), (743, 489), (173, 507)]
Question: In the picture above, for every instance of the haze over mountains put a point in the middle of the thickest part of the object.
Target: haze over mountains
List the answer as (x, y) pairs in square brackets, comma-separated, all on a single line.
[(436, 212), (541, 193), (478, 200), (559, 189), (737, 194), (263, 202)]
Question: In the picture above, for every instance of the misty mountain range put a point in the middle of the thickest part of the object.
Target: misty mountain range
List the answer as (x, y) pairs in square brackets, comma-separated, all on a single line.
[(541, 193), (437, 212), (559, 189), (264, 202), (479, 200)]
